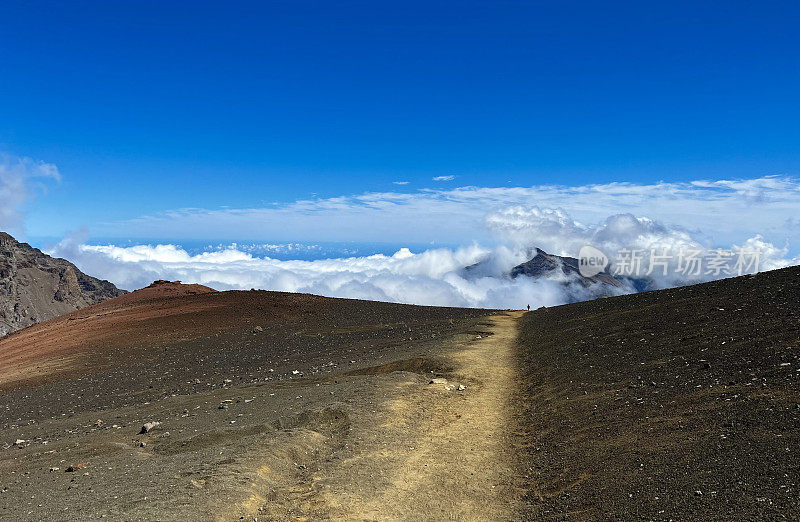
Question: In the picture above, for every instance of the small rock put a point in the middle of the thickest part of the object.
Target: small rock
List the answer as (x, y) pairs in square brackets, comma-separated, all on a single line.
[(257, 329), (461, 387), (223, 406), (295, 372), (19, 442), (438, 380), (76, 467), (148, 426), (142, 444), (54, 468)]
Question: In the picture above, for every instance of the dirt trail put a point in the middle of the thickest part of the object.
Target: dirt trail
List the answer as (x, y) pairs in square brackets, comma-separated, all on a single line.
[(438, 453), (371, 441)]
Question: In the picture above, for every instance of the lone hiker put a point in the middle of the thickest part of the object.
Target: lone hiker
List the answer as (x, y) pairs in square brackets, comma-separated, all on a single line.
[(529, 308)]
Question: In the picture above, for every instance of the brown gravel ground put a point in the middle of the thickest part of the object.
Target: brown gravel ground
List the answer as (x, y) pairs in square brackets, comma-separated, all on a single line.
[(301, 407), (674, 405)]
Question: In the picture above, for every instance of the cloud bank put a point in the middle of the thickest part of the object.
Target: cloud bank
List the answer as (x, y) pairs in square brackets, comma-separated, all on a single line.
[(722, 212), (501, 225), (432, 277)]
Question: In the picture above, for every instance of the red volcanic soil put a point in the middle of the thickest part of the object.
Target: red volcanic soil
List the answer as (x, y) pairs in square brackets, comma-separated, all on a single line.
[(163, 312)]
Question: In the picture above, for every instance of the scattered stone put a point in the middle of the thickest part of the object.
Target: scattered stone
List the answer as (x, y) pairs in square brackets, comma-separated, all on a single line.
[(148, 426), (76, 467), (438, 380), (461, 387), (295, 372), (19, 442), (223, 406), (54, 468), (142, 444), (257, 329)]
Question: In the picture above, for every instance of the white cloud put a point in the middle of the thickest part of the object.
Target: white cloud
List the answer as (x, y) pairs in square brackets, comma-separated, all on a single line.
[(618, 235), (20, 179), (432, 277), (753, 214), (722, 212), (400, 182), (444, 178)]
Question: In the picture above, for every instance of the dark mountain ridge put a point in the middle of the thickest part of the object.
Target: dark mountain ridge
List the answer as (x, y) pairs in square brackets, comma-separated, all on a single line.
[(547, 265)]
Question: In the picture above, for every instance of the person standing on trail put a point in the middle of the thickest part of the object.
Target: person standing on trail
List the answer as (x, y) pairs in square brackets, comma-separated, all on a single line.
[(529, 308)]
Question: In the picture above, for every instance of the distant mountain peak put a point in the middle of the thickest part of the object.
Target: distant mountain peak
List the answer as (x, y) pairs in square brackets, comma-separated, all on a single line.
[(35, 287), (551, 266)]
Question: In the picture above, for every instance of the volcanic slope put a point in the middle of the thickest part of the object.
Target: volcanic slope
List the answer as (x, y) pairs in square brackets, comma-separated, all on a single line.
[(679, 404), (671, 405), (270, 405)]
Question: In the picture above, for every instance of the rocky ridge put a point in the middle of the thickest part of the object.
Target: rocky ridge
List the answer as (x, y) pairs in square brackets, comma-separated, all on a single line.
[(35, 287)]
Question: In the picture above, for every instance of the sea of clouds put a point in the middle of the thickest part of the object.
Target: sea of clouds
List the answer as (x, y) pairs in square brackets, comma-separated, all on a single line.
[(498, 226), (437, 276)]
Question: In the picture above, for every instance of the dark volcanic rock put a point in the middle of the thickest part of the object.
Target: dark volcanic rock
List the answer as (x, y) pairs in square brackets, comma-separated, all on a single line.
[(35, 287), (547, 265)]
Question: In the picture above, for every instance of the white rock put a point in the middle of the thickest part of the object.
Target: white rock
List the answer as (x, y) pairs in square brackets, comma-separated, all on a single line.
[(148, 426)]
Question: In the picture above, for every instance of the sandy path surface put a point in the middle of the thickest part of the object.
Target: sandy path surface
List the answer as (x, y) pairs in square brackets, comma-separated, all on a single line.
[(432, 451)]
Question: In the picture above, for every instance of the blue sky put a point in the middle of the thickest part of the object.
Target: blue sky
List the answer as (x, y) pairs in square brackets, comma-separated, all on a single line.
[(150, 107)]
